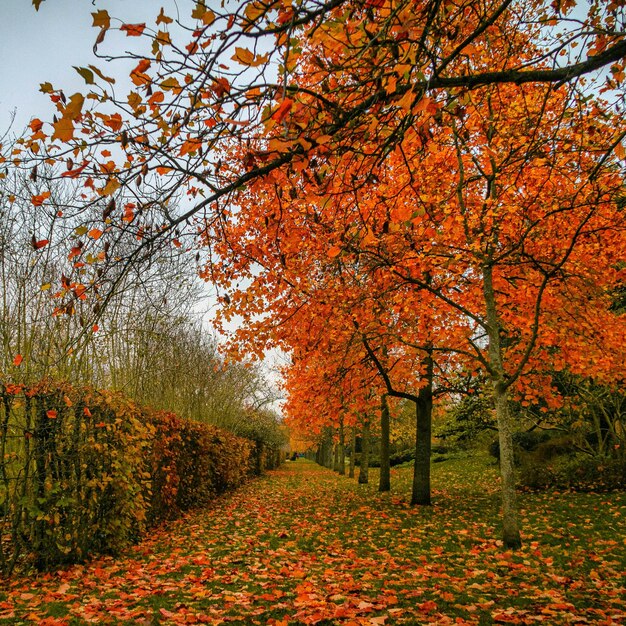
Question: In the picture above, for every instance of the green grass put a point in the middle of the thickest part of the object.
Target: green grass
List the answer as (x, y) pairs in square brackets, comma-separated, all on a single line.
[(305, 546)]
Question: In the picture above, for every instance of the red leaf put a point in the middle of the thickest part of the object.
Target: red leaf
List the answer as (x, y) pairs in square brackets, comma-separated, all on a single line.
[(39, 244)]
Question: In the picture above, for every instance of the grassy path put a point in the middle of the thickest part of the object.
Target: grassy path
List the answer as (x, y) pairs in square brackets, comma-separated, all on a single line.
[(303, 546)]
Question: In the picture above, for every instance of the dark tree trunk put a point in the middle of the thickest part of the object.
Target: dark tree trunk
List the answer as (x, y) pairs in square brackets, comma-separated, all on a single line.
[(342, 449), (423, 422), (385, 472), (365, 453), (336, 457), (352, 452)]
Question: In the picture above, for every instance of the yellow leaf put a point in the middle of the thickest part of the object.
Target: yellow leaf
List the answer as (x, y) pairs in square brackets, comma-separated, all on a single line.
[(170, 83), (208, 18), (111, 187), (86, 73), (134, 99), (202, 13), (63, 129), (620, 153), (254, 10), (75, 106), (163, 19), (243, 56), (46, 286), (101, 19)]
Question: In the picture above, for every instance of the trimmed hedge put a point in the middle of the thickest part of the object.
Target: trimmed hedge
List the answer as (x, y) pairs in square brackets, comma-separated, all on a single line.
[(84, 471)]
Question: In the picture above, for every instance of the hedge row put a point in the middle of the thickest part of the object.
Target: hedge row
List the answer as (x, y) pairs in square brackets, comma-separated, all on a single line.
[(85, 471)]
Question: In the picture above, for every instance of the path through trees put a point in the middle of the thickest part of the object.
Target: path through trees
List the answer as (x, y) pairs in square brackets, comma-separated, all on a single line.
[(303, 546)]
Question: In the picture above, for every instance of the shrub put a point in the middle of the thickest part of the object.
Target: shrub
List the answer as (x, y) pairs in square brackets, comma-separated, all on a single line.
[(75, 478), (466, 420), (404, 456), (85, 471), (522, 441), (579, 472)]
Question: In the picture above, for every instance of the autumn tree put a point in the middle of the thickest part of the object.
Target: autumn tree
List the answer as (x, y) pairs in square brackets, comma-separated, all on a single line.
[(322, 80), (498, 246)]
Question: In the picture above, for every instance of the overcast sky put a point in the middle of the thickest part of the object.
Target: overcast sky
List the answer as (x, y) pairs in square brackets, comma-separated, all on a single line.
[(42, 46)]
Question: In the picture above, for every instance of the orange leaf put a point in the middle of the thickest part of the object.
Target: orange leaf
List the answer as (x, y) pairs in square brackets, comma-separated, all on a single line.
[(282, 110), (133, 30), (334, 252), (95, 233), (75, 172), (17, 361), (35, 125), (75, 106), (243, 56), (114, 122), (40, 199), (190, 146), (163, 19), (52, 414)]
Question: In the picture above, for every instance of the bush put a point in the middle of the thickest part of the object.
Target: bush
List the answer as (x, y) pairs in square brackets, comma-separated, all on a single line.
[(86, 471), (579, 472), (404, 456), (466, 420), (525, 441)]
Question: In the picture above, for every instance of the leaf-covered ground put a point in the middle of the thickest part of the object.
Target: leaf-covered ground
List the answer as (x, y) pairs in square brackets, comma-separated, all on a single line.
[(304, 546)]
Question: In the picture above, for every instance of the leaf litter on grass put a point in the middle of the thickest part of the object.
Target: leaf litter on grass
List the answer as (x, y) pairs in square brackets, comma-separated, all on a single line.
[(305, 546)]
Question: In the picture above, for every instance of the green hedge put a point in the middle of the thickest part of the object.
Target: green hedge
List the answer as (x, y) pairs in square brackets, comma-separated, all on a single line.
[(85, 471)]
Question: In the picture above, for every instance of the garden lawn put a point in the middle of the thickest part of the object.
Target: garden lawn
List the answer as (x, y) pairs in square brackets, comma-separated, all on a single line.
[(305, 546)]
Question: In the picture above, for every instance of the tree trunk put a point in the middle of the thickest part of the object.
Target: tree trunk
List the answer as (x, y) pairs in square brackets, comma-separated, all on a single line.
[(342, 449), (328, 458), (384, 483), (352, 452), (423, 427), (365, 453), (336, 457), (510, 517)]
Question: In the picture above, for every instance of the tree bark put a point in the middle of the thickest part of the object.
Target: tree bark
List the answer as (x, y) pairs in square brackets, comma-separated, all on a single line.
[(510, 517), (342, 449), (365, 453), (423, 432), (352, 452), (336, 457), (384, 483)]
